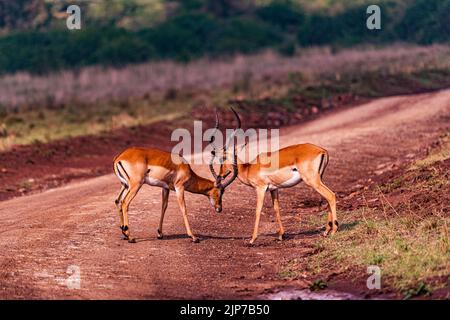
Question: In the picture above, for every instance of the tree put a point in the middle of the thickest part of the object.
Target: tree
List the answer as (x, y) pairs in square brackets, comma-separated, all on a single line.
[(22, 14)]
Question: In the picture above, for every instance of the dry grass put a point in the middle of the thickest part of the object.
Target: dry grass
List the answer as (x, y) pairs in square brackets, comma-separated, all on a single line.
[(95, 100), (408, 250), (48, 125), (439, 154), (94, 84)]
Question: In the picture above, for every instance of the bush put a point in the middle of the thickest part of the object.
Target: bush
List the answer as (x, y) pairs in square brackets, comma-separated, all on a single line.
[(426, 21), (346, 28), (282, 14), (287, 49), (32, 51), (183, 38), (124, 50), (244, 35), (318, 30)]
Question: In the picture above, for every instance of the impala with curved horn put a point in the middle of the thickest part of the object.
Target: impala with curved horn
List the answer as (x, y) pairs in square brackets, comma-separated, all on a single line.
[(234, 167), (138, 166), (296, 163)]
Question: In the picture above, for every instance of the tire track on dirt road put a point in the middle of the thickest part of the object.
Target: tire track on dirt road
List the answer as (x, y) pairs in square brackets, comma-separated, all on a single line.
[(43, 234)]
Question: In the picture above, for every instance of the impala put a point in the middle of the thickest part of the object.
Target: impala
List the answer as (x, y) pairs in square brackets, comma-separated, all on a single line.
[(138, 166), (293, 164)]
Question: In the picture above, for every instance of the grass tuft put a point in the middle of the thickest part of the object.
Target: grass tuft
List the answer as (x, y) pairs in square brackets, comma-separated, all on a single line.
[(318, 285)]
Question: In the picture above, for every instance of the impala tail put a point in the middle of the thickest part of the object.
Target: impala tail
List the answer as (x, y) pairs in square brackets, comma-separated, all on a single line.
[(323, 163), (121, 173)]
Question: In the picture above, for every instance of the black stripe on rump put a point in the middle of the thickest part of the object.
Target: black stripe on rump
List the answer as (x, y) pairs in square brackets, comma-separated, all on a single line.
[(120, 174)]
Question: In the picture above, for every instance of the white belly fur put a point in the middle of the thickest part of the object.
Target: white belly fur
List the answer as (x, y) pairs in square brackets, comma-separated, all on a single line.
[(156, 182), (292, 181)]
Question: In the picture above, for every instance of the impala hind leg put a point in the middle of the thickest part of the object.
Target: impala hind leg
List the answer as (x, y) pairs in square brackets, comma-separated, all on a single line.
[(119, 197), (276, 207), (317, 184), (260, 193), (132, 191), (332, 225), (118, 203), (182, 204), (165, 201)]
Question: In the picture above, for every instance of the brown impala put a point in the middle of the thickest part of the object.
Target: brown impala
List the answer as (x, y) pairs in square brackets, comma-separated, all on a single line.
[(296, 163), (138, 166)]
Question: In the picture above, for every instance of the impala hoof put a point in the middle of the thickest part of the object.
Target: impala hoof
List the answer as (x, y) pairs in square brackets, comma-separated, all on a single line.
[(160, 235), (329, 233), (331, 228), (195, 240), (328, 228), (132, 240), (335, 227)]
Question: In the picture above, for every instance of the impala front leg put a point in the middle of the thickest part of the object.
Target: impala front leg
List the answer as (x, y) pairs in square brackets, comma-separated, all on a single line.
[(182, 204), (260, 193), (165, 201), (276, 207)]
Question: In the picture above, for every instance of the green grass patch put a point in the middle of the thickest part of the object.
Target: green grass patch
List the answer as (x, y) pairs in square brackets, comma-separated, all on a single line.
[(439, 154), (318, 285), (47, 125), (289, 270), (407, 250), (408, 240)]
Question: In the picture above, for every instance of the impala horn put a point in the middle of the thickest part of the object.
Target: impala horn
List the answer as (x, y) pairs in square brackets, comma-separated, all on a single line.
[(213, 152), (217, 177), (234, 163)]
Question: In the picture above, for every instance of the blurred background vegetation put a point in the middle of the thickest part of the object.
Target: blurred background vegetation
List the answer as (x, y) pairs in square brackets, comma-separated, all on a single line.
[(137, 62), (34, 38)]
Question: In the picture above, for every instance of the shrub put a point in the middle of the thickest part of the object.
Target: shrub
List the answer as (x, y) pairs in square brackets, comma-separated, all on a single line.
[(346, 28), (426, 21), (318, 30), (282, 14), (244, 35), (124, 50), (184, 37)]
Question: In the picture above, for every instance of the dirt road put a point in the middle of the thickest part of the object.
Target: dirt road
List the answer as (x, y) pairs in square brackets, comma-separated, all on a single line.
[(76, 227)]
